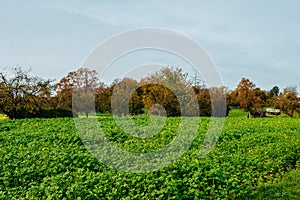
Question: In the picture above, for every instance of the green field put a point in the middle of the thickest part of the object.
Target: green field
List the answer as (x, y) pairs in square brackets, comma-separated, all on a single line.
[(253, 159)]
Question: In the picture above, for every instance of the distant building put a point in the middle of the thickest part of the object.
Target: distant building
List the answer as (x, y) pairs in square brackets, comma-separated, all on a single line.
[(273, 111)]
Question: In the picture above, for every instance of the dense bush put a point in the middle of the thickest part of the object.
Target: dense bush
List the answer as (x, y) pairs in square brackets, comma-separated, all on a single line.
[(20, 113), (43, 113), (58, 112)]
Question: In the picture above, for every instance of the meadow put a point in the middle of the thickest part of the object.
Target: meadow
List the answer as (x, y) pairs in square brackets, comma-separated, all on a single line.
[(253, 159)]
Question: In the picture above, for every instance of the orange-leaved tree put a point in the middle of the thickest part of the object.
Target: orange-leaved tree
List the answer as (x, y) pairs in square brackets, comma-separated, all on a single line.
[(81, 86), (288, 101)]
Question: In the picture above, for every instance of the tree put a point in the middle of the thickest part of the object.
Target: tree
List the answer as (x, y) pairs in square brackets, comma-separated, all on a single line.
[(232, 99), (170, 88), (272, 96), (136, 104), (103, 98), (158, 94), (288, 101), (248, 96), (23, 95), (204, 101), (197, 80), (122, 101), (219, 104), (207, 104), (81, 83), (274, 91)]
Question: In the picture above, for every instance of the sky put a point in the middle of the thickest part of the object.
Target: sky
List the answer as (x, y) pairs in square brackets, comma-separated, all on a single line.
[(259, 40)]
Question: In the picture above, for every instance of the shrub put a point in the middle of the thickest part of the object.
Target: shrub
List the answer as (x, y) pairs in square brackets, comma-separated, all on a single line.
[(58, 112), (43, 113)]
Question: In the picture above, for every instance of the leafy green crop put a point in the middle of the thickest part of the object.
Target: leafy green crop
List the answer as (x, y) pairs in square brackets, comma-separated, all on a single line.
[(45, 159)]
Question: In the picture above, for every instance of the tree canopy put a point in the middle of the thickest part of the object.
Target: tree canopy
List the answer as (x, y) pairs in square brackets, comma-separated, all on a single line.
[(24, 95)]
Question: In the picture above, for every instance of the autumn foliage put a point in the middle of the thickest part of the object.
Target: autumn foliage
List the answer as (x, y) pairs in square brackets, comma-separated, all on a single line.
[(24, 95)]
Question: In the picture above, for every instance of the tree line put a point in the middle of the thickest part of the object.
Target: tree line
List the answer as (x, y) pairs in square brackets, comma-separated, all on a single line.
[(23, 95), (249, 97)]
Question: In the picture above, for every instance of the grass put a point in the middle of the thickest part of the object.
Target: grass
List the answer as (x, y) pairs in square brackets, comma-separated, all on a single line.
[(237, 113), (240, 113)]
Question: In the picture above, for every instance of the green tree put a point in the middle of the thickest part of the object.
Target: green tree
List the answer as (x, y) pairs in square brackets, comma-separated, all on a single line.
[(274, 91)]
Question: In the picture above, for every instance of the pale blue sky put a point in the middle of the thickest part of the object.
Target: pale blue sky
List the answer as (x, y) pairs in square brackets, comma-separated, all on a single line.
[(256, 39)]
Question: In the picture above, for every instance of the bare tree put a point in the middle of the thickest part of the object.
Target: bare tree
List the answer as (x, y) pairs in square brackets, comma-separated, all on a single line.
[(23, 95)]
